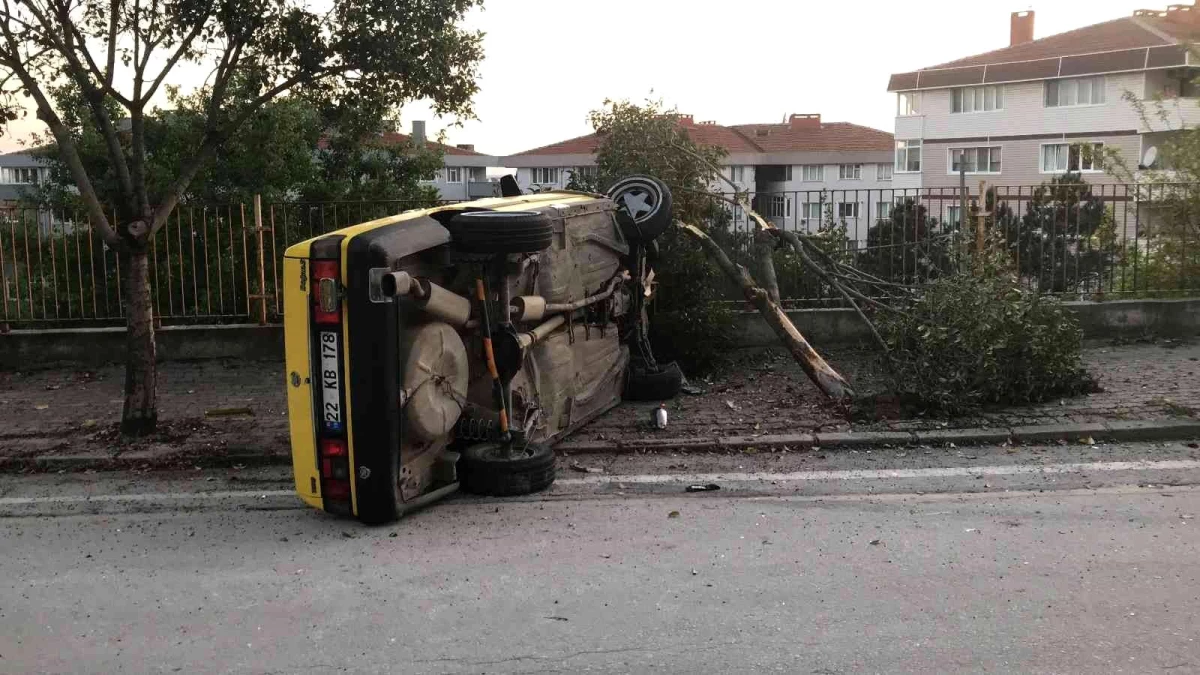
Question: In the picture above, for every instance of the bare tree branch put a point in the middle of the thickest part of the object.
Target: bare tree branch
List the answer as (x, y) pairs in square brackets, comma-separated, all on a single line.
[(66, 145), (184, 45)]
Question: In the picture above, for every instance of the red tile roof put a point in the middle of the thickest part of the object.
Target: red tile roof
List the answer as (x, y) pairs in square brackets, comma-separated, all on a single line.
[(828, 137), (753, 138), (394, 137), (1124, 33)]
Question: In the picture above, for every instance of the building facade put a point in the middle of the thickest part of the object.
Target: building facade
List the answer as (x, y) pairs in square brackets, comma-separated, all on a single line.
[(799, 171), (20, 172), (1038, 108)]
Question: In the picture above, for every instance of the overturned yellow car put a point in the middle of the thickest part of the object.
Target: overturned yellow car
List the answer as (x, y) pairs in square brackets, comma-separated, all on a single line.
[(451, 347)]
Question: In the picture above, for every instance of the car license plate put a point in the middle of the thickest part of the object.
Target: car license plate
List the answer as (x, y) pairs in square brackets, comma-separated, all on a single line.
[(331, 385)]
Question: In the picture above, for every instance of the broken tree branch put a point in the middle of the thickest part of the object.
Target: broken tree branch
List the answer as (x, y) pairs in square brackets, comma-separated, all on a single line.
[(826, 378)]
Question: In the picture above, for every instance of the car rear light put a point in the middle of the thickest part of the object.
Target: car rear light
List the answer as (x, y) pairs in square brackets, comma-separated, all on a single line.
[(333, 447), (327, 306), (336, 489)]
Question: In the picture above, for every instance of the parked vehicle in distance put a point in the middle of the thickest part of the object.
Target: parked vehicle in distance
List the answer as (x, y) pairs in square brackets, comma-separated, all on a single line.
[(452, 346)]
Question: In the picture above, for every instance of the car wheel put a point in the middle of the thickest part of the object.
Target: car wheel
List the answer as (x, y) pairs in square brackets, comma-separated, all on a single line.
[(660, 385), (501, 231), (483, 469), (646, 204)]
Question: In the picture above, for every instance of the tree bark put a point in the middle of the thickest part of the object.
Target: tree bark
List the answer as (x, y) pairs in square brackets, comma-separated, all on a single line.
[(764, 245), (826, 378), (140, 414)]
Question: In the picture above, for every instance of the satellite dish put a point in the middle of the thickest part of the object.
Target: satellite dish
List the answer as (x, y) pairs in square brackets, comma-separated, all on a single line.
[(1149, 156)]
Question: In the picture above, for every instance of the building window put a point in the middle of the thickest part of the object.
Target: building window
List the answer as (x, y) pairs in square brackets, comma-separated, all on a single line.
[(906, 103), (543, 175), (1075, 91), (977, 99), (584, 173), (908, 156), (814, 173), (454, 174), (883, 172), (883, 210), (811, 212), (1062, 157), (848, 210), (737, 174), (477, 174), (975, 160), (953, 216), (20, 175), (787, 173), (781, 207), (850, 171)]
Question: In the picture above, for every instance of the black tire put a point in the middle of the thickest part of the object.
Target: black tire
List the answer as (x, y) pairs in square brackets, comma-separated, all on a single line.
[(501, 231), (662, 385), (646, 206), (482, 471)]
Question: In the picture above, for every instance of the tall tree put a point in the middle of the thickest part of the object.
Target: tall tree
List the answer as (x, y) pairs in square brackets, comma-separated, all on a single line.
[(121, 53)]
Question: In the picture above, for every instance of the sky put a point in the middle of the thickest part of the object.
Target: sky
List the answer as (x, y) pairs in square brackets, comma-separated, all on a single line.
[(547, 63)]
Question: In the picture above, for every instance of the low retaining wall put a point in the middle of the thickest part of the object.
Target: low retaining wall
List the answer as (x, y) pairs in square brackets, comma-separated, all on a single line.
[(1099, 320), (23, 349)]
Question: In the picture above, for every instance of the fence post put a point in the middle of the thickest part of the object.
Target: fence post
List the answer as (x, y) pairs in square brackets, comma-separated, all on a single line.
[(980, 221), (262, 267)]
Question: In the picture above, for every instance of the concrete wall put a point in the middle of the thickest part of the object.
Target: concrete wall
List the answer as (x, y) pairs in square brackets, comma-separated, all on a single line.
[(825, 327)]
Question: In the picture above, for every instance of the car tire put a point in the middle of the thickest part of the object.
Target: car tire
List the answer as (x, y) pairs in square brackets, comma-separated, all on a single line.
[(501, 231), (662, 385), (645, 205), (483, 471)]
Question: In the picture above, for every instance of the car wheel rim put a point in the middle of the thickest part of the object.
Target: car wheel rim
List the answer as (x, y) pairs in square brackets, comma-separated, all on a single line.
[(638, 202)]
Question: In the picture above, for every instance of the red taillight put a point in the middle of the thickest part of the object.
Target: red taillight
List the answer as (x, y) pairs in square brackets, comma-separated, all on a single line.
[(336, 489), (327, 305), (333, 447)]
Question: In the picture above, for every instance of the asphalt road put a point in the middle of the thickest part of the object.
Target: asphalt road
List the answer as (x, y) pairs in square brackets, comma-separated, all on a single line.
[(904, 565)]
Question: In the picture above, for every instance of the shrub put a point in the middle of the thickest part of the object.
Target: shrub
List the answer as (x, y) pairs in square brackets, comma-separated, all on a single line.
[(688, 320), (970, 340)]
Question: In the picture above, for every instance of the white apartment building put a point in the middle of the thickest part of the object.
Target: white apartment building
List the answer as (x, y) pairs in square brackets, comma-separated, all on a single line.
[(464, 172), (798, 170), (1019, 115), (20, 172)]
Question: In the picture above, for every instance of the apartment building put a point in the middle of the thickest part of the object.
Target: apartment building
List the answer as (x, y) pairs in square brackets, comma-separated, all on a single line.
[(799, 170), (19, 173), (464, 172), (1040, 107)]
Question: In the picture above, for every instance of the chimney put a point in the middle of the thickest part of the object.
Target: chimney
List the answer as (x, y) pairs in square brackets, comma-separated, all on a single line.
[(1184, 14), (466, 146), (687, 121), (418, 132), (805, 121), (1020, 28)]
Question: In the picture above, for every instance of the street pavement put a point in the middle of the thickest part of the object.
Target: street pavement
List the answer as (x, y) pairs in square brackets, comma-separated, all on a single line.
[(1054, 560)]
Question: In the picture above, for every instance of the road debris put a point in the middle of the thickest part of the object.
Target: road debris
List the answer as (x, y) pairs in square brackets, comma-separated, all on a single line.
[(576, 466), (673, 514), (711, 487)]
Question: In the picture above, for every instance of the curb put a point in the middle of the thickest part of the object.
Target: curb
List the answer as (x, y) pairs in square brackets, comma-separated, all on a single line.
[(1117, 430)]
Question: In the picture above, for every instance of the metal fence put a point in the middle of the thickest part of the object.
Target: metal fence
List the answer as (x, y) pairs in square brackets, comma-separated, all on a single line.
[(221, 263), (208, 264), (1071, 240)]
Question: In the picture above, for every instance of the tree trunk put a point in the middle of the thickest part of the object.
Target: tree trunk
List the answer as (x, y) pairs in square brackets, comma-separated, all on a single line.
[(826, 378), (764, 245), (140, 415)]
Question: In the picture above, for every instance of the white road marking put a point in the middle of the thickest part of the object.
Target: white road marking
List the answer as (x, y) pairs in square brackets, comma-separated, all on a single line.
[(650, 479), (145, 497), (877, 474)]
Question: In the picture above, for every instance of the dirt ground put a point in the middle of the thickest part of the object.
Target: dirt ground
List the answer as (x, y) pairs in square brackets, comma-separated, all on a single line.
[(210, 410)]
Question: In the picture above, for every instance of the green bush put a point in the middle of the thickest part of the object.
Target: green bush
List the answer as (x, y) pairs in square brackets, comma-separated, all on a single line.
[(689, 322), (970, 341)]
